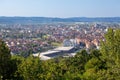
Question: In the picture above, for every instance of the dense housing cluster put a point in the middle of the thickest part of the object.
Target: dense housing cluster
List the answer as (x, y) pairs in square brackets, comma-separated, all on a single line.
[(33, 38)]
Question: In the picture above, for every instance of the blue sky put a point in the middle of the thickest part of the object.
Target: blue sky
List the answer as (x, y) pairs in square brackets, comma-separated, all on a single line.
[(60, 8)]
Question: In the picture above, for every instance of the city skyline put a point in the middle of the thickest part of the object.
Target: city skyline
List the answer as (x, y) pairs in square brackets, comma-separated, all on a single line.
[(60, 8)]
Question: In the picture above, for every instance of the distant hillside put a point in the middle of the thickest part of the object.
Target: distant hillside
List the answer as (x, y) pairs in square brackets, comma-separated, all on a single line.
[(12, 20)]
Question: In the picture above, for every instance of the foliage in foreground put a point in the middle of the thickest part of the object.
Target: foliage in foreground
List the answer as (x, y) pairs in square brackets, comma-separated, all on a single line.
[(103, 64)]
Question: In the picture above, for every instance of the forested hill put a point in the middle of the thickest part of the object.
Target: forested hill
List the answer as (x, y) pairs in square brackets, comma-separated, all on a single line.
[(8, 20)]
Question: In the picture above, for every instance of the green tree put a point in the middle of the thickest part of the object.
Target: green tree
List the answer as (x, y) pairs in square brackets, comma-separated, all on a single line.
[(30, 68), (5, 58), (16, 61), (110, 48), (77, 63)]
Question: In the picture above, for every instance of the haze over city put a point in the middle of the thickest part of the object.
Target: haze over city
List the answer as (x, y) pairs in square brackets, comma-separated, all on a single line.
[(60, 8)]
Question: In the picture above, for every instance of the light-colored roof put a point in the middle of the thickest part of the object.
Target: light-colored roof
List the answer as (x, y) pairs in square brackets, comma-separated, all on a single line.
[(63, 48), (36, 54), (48, 52), (56, 50), (59, 49), (44, 58)]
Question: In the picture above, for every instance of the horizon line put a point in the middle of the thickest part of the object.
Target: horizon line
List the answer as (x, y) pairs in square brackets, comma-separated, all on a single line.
[(65, 17)]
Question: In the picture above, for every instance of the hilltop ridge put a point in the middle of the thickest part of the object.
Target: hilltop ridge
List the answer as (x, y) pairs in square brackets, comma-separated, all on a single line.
[(8, 20)]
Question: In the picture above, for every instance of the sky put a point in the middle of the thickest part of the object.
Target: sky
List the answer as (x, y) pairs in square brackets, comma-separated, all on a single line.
[(60, 8)]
